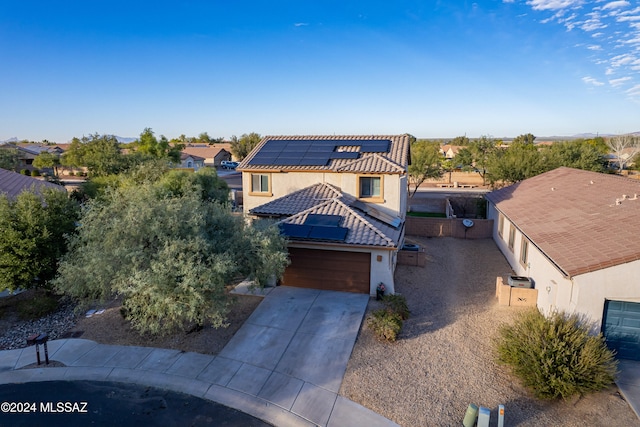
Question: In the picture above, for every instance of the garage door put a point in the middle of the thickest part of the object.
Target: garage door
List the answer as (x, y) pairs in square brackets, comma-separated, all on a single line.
[(329, 270), (622, 328)]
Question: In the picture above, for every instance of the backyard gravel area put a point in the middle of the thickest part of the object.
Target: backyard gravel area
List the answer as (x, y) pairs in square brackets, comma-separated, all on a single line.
[(444, 357)]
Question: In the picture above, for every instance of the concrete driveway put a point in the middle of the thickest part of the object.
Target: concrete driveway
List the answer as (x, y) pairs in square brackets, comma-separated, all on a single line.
[(298, 343), (628, 383)]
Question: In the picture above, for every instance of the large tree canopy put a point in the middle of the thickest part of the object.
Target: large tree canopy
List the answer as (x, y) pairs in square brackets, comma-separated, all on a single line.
[(168, 252), (425, 163), (9, 158), (32, 237), (100, 154), (241, 147), (158, 148)]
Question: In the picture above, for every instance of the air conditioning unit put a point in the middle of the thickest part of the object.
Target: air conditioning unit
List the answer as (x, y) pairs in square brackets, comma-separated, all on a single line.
[(520, 282)]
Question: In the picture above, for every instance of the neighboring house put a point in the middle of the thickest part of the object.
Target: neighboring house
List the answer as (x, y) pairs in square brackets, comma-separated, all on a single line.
[(450, 151), (190, 161), (213, 155), (576, 234), (12, 184), (340, 200)]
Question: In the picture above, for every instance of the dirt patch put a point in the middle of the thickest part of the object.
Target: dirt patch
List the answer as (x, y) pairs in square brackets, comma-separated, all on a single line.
[(109, 327), (444, 358)]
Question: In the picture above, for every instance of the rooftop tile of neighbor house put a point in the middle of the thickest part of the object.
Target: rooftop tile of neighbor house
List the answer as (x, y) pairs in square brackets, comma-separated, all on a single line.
[(583, 221), (326, 199), (206, 151), (12, 184), (352, 153)]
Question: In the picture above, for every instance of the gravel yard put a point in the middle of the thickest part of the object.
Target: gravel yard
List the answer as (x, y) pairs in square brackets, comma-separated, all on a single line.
[(444, 358)]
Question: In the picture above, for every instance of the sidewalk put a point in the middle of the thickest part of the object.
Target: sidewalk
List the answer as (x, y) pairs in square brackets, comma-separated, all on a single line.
[(284, 366)]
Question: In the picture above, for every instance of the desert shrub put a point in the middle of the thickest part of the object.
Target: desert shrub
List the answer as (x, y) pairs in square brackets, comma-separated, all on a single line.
[(386, 324), (555, 356), (35, 172), (24, 171), (398, 304)]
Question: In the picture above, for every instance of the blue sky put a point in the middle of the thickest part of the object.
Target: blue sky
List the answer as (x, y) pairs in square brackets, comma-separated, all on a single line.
[(429, 68)]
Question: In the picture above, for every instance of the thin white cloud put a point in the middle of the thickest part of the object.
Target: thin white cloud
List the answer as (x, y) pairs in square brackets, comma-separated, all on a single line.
[(634, 91), (615, 5), (592, 81), (613, 26), (553, 4), (508, 1), (620, 81), (301, 24)]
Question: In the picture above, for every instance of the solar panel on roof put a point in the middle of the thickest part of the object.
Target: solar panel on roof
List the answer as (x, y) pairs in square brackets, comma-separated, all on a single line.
[(295, 230), (338, 234), (381, 146), (287, 161), (325, 220), (314, 162), (344, 155)]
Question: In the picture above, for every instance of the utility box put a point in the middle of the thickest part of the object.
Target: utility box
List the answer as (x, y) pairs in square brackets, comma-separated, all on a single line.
[(484, 417), (520, 282), (412, 255)]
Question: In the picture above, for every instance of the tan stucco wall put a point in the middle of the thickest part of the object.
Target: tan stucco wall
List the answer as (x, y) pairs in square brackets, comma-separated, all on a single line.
[(287, 182)]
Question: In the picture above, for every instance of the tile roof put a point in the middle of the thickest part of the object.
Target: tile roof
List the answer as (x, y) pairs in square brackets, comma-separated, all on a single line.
[(395, 161), (326, 199), (206, 152), (582, 221), (298, 201), (12, 184)]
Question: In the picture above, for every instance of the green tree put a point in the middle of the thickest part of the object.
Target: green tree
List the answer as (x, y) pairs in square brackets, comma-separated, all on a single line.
[(9, 158), (241, 147), (47, 160), (517, 162), (100, 154), (32, 237), (476, 156), (168, 255), (425, 163), (579, 154), (158, 148), (526, 138), (460, 140)]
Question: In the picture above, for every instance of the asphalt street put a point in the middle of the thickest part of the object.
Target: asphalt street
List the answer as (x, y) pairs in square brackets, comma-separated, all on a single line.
[(83, 403)]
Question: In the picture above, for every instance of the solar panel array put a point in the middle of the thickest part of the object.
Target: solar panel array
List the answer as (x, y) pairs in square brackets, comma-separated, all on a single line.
[(285, 152), (317, 227)]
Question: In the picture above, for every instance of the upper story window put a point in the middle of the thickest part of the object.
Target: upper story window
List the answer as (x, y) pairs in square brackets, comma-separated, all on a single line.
[(370, 187), (260, 184)]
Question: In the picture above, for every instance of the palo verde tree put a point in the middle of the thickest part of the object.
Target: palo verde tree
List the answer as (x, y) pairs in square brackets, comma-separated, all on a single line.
[(169, 253), (32, 237), (241, 147), (47, 160), (425, 163)]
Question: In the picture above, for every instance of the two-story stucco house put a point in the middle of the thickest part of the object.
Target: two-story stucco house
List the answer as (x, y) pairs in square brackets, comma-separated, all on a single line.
[(576, 234), (340, 200)]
